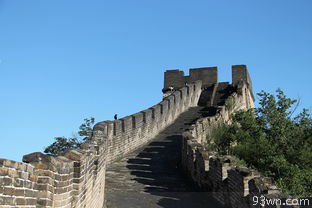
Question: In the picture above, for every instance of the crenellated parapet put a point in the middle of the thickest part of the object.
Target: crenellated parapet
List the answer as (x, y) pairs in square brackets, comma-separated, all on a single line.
[(240, 74), (73, 180), (77, 178), (175, 79), (231, 184), (127, 134)]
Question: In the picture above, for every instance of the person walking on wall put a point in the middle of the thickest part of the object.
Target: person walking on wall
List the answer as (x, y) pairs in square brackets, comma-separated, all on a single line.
[(115, 116)]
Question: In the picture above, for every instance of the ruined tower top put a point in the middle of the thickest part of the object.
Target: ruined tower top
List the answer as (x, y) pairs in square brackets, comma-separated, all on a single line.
[(175, 79)]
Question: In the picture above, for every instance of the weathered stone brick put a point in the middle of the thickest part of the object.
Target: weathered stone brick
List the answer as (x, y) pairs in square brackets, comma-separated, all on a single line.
[(8, 191), (44, 180), (30, 193), (30, 201), (3, 171), (21, 166), (23, 175), (19, 192), (7, 200), (29, 168), (5, 181), (19, 183), (13, 173), (28, 184), (44, 202), (44, 195), (20, 201)]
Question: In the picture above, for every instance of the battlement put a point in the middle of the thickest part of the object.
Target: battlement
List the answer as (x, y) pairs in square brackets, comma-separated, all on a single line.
[(229, 183), (77, 179), (175, 79), (127, 134), (240, 74)]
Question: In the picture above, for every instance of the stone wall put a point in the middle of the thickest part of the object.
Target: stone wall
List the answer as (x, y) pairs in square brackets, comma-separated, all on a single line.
[(208, 75), (240, 73), (175, 79), (77, 179), (241, 100), (73, 180), (126, 134), (232, 185)]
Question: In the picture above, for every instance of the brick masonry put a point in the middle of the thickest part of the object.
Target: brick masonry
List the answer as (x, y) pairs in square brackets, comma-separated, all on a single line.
[(233, 186), (77, 179)]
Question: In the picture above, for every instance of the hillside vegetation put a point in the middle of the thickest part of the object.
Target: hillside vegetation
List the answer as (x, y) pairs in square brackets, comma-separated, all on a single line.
[(273, 140)]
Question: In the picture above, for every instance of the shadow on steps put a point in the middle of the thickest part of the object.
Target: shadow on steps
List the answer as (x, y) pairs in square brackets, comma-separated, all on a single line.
[(157, 167)]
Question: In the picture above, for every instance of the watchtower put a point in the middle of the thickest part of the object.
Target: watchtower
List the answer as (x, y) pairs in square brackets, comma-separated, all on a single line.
[(175, 79)]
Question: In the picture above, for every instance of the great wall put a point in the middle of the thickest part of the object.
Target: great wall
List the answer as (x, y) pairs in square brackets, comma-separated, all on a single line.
[(154, 158)]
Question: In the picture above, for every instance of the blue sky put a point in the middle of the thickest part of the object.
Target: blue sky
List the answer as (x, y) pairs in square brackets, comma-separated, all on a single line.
[(62, 61)]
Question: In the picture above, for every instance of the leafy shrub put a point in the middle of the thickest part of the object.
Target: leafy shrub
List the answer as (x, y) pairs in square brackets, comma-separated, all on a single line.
[(274, 141), (61, 144)]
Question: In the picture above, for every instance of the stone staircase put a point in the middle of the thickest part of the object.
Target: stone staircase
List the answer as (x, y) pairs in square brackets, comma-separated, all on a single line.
[(151, 177)]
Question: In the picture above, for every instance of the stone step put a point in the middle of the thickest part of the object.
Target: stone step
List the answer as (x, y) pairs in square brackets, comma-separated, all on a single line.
[(151, 177)]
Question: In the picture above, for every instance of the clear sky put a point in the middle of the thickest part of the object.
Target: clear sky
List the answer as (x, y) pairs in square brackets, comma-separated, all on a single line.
[(62, 61)]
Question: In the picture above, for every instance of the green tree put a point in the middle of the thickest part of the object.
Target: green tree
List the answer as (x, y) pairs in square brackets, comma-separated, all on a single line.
[(274, 141), (85, 129), (61, 144)]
